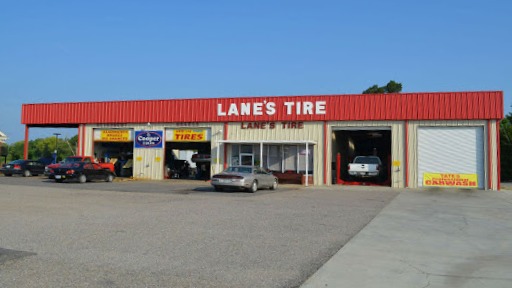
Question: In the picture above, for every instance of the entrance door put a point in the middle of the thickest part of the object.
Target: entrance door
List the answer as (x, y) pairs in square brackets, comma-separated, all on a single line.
[(247, 159)]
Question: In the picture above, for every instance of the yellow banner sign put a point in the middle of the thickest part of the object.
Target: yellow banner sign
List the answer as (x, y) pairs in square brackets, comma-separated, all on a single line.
[(115, 135), (189, 135), (450, 180)]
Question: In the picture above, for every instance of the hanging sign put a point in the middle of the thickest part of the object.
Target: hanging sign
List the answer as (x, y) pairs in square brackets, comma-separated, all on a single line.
[(187, 135), (149, 139), (450, 180), (113, 135)]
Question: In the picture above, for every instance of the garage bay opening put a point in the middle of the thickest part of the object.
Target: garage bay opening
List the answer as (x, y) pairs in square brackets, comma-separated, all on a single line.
[(115, 146), (188, 154), (361, 156)]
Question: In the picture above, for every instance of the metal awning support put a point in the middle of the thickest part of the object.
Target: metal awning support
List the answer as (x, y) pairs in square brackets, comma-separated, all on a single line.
[(307, 163)]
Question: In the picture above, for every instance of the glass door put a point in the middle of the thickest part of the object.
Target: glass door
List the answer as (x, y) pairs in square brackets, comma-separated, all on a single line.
[(247, 159)]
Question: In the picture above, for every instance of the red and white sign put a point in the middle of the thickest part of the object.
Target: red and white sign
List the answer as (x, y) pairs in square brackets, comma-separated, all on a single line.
[(270, 108)]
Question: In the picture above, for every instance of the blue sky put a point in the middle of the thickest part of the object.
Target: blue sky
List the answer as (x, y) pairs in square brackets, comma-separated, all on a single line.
[(69, 51)]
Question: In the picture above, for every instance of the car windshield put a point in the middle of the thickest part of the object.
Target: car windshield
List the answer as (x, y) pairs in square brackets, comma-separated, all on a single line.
[(239, 169), (17, 162), (366, 160), (72, 159)]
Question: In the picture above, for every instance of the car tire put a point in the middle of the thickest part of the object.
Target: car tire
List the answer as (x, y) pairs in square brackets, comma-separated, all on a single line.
[(27, 173), (109, 178), (217, 188), (254, 187), (82, 178), (274, 185), (8, 175), (58, 180)]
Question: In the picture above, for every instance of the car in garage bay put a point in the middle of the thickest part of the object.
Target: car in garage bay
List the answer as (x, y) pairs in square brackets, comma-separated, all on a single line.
[(250, 178)]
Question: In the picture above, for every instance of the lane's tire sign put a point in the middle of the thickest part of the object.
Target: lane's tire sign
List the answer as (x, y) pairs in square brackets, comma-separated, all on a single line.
[(148, 139)]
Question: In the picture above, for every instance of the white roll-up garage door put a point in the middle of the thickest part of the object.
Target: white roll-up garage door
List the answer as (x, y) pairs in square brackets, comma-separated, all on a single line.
[(458, 150)]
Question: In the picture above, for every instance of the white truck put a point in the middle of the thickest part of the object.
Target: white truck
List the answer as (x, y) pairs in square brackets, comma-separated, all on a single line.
[(365, 167)]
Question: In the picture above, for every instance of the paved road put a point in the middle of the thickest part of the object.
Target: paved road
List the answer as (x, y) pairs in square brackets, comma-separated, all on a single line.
[(173, 234), (432, 238)]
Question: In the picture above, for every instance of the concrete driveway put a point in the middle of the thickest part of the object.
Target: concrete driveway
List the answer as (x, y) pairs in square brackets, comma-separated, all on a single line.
[(173, 234)]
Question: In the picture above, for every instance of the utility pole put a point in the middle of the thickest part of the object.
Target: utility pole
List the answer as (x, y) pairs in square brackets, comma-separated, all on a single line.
[(56, 146)]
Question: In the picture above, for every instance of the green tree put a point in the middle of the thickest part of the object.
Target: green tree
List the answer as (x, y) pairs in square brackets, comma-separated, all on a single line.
[(43, 148), (391, 87), (506, 147)]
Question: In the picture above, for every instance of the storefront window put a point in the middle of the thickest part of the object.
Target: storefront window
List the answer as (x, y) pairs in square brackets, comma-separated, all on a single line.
[(235, 155), (277, 158), (246, 149), (290, 158), (305, 155), (273, 159)]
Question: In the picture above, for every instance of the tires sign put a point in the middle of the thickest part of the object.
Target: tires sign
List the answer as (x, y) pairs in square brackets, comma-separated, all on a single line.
[(148, 139)]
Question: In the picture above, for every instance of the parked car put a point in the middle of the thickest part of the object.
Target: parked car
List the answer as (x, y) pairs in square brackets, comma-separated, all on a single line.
[(82, 172), (23, 167), (366, 167), (48, 171), (249, 178)]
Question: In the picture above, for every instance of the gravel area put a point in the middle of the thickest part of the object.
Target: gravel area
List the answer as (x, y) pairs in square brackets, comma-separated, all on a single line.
[(173, 234)]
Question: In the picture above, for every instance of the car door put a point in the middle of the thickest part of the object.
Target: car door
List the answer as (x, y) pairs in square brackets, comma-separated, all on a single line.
[(38, 167), (261, 176), (89, 171), (99, 172)]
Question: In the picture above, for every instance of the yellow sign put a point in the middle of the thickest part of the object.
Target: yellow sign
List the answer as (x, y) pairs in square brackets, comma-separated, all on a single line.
[(189, 135), (115, 135), (396, 163), (450, 180)]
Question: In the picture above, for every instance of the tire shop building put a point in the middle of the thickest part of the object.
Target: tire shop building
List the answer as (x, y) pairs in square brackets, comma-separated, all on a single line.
[(423, 139)]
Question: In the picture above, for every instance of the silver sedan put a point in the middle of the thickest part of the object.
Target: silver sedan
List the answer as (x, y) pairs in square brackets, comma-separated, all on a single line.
[(249, 178)]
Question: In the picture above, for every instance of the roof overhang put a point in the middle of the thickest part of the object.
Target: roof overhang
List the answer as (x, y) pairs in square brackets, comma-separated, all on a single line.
[(300, 142)]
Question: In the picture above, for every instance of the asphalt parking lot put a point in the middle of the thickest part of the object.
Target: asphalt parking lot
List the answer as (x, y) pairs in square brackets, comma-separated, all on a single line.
[(173, 233)]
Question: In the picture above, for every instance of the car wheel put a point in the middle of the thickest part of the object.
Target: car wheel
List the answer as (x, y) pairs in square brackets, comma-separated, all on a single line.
[(58, 180), (254, 187), (27, 173), (110, 178), (8, 175), (217, 188), (274, 185), (82, 179)]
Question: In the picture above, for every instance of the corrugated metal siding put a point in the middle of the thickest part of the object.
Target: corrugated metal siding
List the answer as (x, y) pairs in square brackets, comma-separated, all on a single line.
[(312, 131), (413, 144), (397, 145), (403, 106)]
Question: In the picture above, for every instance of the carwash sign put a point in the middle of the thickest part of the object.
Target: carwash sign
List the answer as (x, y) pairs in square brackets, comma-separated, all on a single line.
[(148, 139)]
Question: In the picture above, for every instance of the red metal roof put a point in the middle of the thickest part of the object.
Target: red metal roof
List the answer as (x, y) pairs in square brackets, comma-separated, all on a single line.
[(403, 106)]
